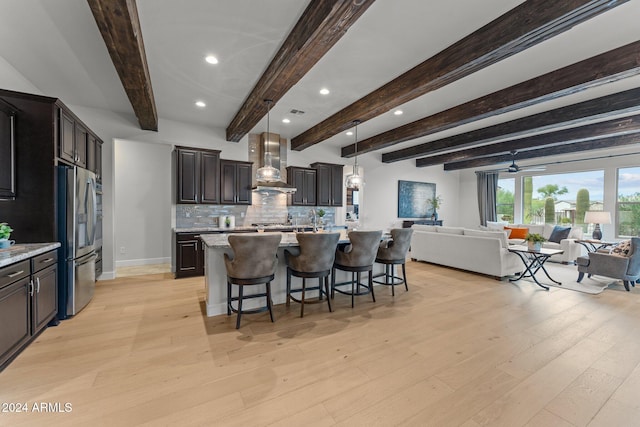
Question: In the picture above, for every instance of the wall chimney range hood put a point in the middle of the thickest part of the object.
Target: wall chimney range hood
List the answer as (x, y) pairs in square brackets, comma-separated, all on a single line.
[(270, 143)]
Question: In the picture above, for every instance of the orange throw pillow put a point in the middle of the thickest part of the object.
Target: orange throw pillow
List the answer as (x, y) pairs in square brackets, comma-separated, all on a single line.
[(517, 232)]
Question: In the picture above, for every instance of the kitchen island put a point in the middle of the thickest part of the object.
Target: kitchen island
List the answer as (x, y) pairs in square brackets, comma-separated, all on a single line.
[(216, 274)]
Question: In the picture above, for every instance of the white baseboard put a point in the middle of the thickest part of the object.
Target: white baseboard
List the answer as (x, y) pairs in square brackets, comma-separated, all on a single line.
[(107, 275), (147, 261)]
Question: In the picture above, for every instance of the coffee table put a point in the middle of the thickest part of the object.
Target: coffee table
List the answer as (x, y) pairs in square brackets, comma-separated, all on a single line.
[(533, 262), (594, 245)]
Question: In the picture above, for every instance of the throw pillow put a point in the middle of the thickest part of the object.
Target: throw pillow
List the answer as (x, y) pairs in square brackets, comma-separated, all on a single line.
[(496, 225), (517, 232), (559, 233), (622, 249)]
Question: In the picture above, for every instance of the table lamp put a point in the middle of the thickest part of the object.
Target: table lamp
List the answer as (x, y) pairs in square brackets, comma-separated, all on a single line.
[(597, 218)]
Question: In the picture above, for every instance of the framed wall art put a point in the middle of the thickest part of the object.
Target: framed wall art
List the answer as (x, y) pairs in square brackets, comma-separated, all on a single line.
[(412, 199)]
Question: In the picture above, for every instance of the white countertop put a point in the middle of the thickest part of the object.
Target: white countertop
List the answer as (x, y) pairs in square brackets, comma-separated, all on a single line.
[(288, 239), (22, 251)]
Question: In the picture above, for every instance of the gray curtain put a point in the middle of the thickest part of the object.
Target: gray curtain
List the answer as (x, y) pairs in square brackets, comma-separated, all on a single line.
[(487, 190)]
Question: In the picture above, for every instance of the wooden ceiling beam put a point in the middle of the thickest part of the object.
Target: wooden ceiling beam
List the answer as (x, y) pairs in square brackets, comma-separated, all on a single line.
[(520, 28), (120, 28), (598, 144), (574, 114), (321, 25), (610, 134), (601, 69)]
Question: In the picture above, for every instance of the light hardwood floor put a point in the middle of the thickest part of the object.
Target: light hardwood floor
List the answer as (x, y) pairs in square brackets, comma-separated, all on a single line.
[(457, 349)]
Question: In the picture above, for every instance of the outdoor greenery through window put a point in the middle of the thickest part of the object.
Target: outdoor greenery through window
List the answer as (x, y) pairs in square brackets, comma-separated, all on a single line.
[(628, 203), (562, 198), (505, 199)]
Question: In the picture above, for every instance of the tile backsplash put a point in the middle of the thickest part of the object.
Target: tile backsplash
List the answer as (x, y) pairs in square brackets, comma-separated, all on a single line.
[(266, 208)]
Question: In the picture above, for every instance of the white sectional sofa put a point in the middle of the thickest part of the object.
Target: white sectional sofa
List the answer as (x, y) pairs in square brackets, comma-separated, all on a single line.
[(479, 251), (572, 250)]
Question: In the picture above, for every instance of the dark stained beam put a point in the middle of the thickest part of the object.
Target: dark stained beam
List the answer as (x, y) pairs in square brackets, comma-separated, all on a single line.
[(120, 28), (520, 28), (604, 68), (599, 142), (321, 25), (609, 105)]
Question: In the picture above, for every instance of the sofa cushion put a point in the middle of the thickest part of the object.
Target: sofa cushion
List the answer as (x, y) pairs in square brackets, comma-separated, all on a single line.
[(450, 230), (422, 227), (576, 233), (517, 232), (496, 225), (551, 245), (559, 233), (622, 249), (501, 235)]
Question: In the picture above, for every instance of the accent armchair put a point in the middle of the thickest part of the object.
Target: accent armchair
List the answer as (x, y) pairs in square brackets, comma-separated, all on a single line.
[(625, 268)]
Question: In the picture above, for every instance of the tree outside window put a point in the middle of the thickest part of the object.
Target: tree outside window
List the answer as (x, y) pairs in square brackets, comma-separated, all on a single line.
[(628, 203), (505, 199)]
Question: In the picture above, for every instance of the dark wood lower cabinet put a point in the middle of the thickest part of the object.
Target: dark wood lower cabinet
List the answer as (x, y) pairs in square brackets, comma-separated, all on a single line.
[(189, 255), (15, 316), (28, 302)]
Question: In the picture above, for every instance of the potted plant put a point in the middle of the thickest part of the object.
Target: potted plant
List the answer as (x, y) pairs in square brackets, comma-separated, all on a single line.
[(5, 233), (435, 202), (321, 213), (534, 241)]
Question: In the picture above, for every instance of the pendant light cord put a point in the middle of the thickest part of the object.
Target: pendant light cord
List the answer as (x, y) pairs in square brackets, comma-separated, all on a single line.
[(356, 123)]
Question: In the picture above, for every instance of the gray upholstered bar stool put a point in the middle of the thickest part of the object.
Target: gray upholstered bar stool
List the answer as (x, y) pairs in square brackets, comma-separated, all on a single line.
[(394, 252), (313, 259), (357, 257), (253, 262)]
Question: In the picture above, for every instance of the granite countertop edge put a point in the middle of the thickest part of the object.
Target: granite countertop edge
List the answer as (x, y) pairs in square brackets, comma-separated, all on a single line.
[(219, 241), (20, 252)]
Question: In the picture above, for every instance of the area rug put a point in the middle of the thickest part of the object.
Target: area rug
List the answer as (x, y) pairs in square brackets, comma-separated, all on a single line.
[(567, 275)]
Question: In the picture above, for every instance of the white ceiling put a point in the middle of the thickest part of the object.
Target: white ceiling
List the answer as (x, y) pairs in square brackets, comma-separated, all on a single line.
[(57, 46)]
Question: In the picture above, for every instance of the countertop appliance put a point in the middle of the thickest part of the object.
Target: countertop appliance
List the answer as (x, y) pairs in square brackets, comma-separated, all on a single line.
[(78, 220)]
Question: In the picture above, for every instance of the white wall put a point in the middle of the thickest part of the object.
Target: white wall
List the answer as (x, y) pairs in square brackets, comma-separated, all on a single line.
[(141, 208), (380, 196)]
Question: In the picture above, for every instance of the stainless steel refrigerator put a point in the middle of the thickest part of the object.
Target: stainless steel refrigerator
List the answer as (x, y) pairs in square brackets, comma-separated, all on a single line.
[(78, 229)]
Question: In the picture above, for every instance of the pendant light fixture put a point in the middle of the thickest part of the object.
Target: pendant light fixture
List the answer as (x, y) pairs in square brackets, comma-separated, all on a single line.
[(267, 173), (355, 181)]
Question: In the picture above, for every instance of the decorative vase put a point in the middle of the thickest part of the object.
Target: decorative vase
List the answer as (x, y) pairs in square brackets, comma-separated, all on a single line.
[(434, 216), (534, 246)]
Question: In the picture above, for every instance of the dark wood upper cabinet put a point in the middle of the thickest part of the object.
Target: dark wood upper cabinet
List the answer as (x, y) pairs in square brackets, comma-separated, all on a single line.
[(7, 154), (91, 153), (198, 176), (66, 146), (305, 181), (235, 182), (81, 146), (98, 157), (210, 177), (329, 185)]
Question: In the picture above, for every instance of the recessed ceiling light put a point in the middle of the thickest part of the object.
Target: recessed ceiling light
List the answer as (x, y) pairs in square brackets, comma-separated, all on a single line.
[(200, 104), (398, 112), (285, 120), (324, 91), (211, 59), (349, 133)]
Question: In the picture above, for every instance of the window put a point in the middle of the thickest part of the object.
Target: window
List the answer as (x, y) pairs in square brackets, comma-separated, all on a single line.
[(628, 203), (562, 198), (505, 198)]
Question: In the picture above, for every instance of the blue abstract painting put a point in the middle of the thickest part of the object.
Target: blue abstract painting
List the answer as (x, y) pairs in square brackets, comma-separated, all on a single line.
[(412, 199)]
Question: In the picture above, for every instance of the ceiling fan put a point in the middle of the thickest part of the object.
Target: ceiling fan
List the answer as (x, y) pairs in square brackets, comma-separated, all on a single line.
[(514, 168)]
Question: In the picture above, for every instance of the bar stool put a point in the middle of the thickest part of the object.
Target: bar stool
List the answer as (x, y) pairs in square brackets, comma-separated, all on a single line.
[(357, 257), (253, 262), (313, 259), (391, 253)]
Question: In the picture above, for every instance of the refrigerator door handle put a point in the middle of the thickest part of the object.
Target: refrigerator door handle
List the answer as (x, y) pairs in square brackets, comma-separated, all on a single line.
[(88, 259)]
